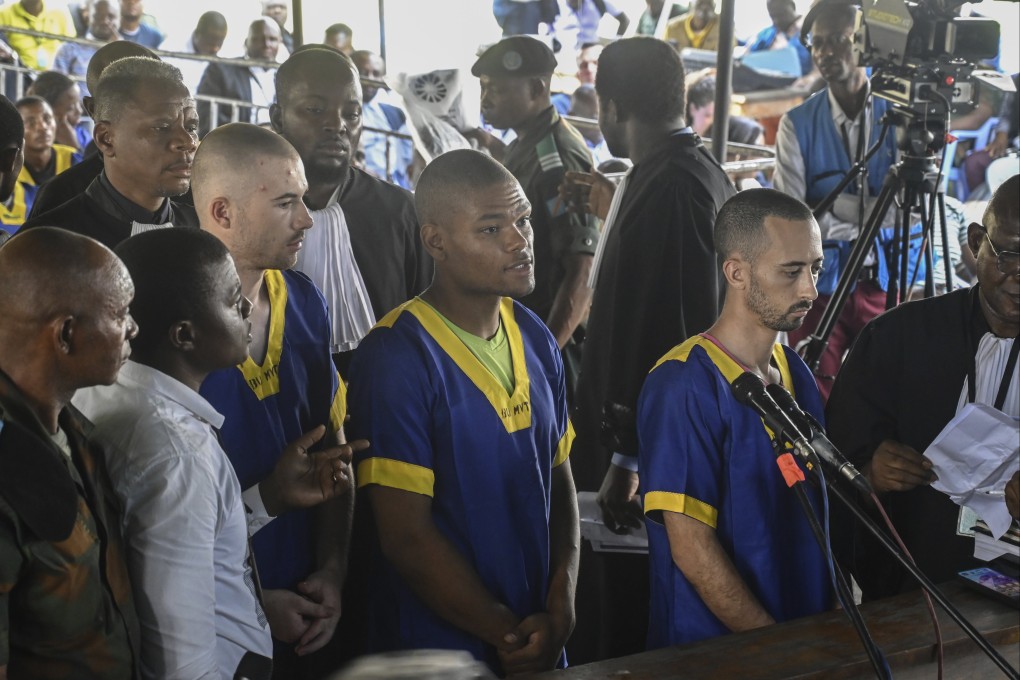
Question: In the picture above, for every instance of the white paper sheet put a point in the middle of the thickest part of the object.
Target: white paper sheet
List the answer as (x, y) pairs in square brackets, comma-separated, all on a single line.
[(974, 456)]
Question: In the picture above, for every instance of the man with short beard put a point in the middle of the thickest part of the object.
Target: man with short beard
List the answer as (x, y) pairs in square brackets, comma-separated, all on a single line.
[(249, 183), (729, 547), (364, 252), (146, 129)]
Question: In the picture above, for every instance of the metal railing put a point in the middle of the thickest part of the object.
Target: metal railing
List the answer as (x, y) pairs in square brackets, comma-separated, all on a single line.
[(752, 158)]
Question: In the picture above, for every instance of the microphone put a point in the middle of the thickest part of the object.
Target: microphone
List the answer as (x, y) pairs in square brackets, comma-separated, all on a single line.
[(750, 391), (825, 449)]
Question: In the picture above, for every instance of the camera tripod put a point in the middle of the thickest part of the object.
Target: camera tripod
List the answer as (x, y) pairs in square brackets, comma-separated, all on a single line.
[(918, 177)]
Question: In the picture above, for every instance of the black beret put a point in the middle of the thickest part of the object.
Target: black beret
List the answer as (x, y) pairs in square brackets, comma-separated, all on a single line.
[(518, 55)]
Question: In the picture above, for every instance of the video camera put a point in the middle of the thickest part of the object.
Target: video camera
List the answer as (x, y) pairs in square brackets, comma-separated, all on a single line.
[(924, 58)]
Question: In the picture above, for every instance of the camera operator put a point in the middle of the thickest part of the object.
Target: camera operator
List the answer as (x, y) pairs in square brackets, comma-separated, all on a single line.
[(816, 145)]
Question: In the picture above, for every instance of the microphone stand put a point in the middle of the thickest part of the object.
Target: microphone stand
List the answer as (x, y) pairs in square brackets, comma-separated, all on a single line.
[(844, 593), (924, 581)]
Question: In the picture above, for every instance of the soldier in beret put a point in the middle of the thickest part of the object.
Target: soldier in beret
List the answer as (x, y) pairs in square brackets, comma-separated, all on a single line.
[(515, 75)]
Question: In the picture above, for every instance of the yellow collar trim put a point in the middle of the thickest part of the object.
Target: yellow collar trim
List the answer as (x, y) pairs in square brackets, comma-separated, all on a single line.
[(514, 410), (264, 380), (730, 369), (697, 38)]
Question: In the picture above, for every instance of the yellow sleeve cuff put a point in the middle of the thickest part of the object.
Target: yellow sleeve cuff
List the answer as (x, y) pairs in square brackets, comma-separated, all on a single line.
[(396, 474), (563, 448), (338, 409), (657, 501)]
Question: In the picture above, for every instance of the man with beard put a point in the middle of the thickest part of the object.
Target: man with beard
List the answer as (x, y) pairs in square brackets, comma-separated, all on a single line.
[(147, 130), (729, 547), (249, 185), (656, 284), (364, 253)]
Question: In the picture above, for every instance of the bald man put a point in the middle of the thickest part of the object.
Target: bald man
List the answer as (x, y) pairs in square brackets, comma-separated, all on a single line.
[(249, 186), (65, 599), (76, 179), (462, 393), (254, 84)]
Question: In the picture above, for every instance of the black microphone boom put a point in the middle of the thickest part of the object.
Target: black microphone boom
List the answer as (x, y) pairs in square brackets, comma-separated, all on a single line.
[(825, 449), (749, 390)]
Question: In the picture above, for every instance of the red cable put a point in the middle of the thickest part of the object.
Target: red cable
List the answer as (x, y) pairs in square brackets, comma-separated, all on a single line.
[(927, 598)]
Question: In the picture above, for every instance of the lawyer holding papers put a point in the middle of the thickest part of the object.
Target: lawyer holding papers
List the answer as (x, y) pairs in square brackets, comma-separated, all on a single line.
[(912, 371)]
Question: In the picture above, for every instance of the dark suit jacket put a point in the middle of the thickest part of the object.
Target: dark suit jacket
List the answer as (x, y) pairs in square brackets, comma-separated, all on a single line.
[(68, 184), (92, 213), (223, 80)]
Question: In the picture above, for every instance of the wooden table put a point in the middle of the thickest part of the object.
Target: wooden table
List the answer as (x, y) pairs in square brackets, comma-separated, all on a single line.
[(826, 646), (767, 107)]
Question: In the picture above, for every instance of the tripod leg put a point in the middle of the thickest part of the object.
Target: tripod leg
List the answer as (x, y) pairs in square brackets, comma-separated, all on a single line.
[(946, 261), (927, 232), (865, 241)]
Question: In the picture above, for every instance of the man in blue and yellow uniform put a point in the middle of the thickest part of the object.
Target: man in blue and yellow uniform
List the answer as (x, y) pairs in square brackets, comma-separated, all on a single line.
[(248, 186), (729, 547), (43, 160), (461, 392), (515, 75)]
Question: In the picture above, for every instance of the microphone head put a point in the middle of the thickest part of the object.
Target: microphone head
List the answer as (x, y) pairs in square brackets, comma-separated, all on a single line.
[(747, 388), (782, 397)]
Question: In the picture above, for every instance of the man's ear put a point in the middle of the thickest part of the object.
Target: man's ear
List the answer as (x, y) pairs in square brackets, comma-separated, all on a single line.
[(276, 118), (103, 136), (220, 210), (182, 336), (538, 87), (433, 238), (975, 235), (737, 272), (609, 111), (63, 333)]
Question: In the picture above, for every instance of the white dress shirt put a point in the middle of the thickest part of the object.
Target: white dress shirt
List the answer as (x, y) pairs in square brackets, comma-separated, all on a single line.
[(184, 525)]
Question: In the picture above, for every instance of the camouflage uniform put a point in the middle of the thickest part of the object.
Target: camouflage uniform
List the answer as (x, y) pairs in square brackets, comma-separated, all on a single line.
[(65, 598), (546, 149)]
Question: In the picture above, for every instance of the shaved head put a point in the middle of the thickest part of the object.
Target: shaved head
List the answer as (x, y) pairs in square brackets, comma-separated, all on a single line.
[(446, 181), (46, 273), (229, 155)]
